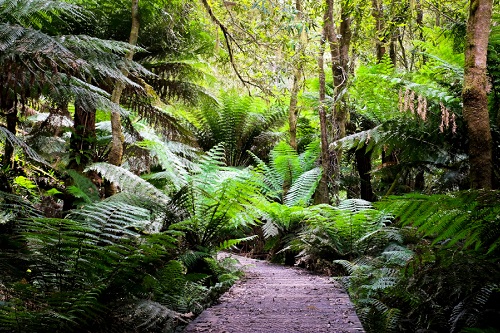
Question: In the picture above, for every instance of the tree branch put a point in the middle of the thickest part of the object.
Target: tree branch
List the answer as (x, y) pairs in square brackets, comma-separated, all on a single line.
[(228, 38)]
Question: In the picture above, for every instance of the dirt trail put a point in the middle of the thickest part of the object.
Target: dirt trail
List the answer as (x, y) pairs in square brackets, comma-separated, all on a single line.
[(276, 299)]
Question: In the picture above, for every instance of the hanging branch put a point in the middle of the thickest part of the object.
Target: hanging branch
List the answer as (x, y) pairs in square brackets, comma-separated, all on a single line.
[(228, 38)]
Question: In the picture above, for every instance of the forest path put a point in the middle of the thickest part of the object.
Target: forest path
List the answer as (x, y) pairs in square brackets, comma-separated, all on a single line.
[(276, 299)]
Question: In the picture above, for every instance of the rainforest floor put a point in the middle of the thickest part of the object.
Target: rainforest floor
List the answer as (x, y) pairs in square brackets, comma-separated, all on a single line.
[(276, 299)]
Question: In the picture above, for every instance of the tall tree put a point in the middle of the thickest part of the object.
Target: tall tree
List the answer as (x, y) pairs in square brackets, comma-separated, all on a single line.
[(378, 15), (293, 110), (474, 94), (116, 153), (322, 193)]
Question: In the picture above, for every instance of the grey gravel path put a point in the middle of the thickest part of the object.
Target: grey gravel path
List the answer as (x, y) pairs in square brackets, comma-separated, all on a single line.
[(275, 299)]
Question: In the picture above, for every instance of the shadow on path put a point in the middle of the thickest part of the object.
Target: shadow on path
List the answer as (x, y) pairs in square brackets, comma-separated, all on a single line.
[(276, 299)]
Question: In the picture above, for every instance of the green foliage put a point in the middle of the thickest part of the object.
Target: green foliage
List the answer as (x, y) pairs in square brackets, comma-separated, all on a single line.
[(217, 203), (175, 160), (336, 232), (16, 142), (82, 188), (128, 182), (468, 219), (97, 266), (243, 124), (378, 101), (436, 270), (290, 178)]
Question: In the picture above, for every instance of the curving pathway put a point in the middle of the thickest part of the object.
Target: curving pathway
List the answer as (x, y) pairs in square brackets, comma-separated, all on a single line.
[(275, 299)]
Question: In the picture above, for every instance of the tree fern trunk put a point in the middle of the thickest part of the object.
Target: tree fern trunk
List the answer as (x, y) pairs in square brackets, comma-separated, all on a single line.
[(378, 15), (364, 167), (9, 107), (83, 139), (474, 94), (293, 111), (116, 152)]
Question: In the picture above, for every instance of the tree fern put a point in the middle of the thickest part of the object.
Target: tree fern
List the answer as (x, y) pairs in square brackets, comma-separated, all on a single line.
[(466, 217), (129, 182), (303, 188), (82, 188), (16, 142), (289, 177), (239, 123), (175, 167), (35, 12)]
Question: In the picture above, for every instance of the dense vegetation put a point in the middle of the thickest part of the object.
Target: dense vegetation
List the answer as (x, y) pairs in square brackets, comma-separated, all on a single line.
[(356, 138)]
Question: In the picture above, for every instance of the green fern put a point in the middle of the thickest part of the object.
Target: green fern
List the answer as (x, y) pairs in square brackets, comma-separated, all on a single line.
[(290, 178), (129, 182), (469, 218), (467, 313), (16, 142), (83, 188), (303, 188), (241, 123)]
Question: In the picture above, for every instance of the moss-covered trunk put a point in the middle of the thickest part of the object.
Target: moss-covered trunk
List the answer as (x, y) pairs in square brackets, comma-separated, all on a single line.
[(8, 107), (83, 139), (116, 152), (474, 94), (322, 195)]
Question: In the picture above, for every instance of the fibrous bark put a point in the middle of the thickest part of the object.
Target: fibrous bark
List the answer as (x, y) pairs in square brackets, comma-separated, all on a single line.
[(378, 15), (474, 94), (8, 106), (293, 111), (116, 152), (83, 139), (364, 167)]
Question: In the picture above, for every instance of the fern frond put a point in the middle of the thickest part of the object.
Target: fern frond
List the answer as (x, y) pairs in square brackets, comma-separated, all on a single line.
[(303, 188), (14, 206), (170, 157), (16, 142), (82, 187), (113, 220), (286, 162), (309, 158), (129, 182), (465, 218), (369, 138), (270, 229), (154, 316), (36, 12), (231, 243), (468, 312), (355, 205)]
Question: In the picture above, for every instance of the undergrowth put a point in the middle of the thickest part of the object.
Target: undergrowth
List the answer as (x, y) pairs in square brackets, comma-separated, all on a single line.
[(434, 269)]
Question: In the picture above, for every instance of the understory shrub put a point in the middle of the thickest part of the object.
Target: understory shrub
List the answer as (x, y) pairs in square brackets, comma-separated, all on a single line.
[(436, 269)]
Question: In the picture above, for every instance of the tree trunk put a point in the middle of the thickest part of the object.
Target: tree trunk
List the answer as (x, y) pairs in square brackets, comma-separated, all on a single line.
[(9, 107), (378, 15), (364, 167), (116, 152), (83, 139), (474, 94), (392, 49), (321, 195), (341, 73), (293, 111)]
